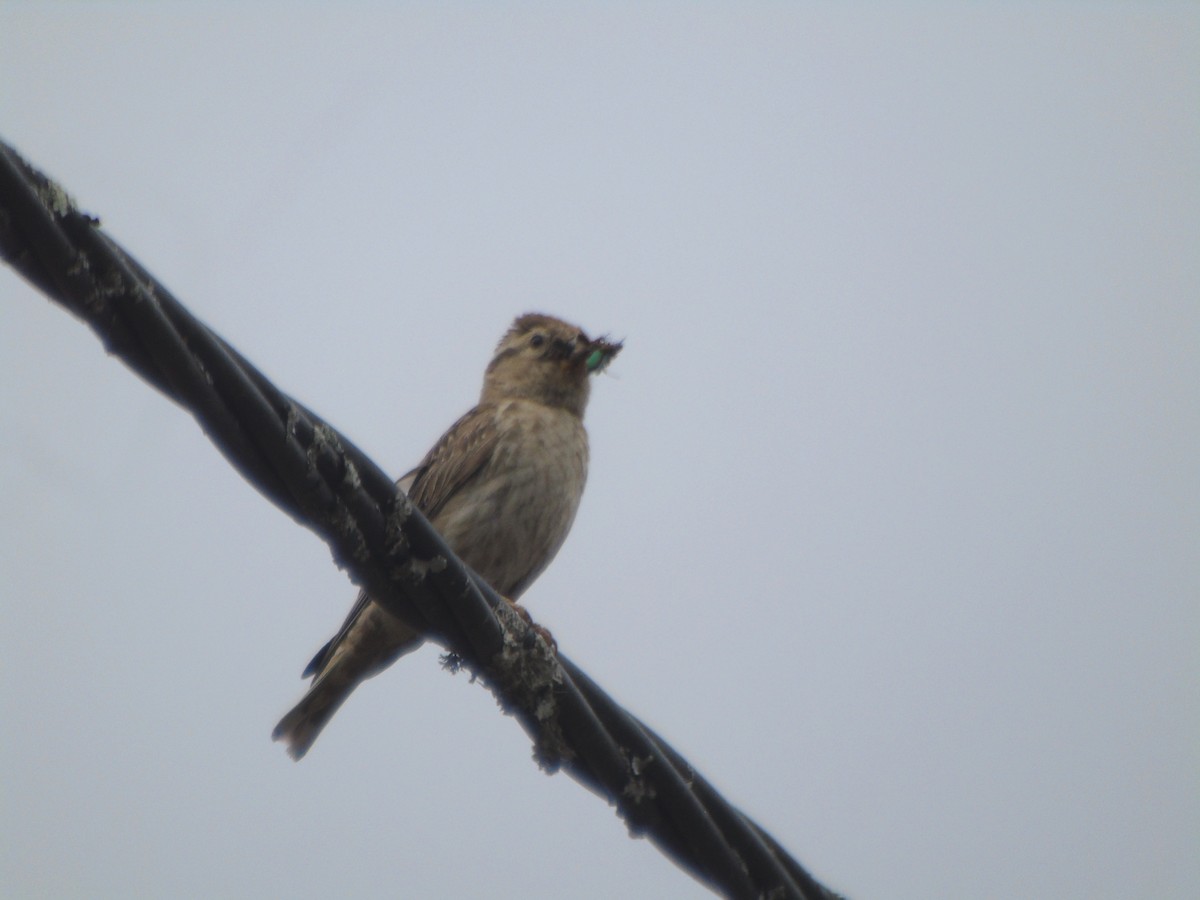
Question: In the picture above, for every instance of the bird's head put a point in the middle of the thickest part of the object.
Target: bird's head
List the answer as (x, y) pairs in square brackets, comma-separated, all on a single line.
[(546, 360)]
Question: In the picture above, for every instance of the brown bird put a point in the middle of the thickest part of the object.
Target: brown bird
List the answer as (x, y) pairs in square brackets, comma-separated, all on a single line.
[(501, 486)]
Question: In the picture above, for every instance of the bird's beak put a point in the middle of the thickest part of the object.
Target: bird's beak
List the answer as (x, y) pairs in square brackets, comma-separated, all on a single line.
[(599, 353)]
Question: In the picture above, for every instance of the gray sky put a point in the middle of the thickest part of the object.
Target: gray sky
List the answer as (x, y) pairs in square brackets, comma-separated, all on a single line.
[(893, 522)]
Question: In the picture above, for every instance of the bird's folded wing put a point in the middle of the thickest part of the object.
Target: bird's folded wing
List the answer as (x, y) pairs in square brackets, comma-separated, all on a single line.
[(454, 460)]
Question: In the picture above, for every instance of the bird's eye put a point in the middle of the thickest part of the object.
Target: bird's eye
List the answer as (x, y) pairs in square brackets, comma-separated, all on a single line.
[(537, 340)]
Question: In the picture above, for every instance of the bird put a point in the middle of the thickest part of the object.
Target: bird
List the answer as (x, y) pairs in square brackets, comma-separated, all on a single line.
[(501, 486)]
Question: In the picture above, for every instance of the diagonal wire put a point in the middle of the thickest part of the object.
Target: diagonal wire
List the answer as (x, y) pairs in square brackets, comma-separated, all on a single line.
[(325, 483)]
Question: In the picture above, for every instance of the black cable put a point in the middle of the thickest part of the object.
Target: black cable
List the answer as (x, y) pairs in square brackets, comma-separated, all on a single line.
[(324, 482)]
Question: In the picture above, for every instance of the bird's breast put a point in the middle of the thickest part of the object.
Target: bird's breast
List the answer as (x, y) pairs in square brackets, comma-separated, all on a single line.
[(511, 518)]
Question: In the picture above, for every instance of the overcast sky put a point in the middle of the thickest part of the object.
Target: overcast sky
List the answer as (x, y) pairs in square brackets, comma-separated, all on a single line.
[(893, 521)]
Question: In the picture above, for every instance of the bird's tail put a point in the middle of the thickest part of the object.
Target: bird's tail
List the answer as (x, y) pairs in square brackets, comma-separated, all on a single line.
[(300, 727), (370, 640)]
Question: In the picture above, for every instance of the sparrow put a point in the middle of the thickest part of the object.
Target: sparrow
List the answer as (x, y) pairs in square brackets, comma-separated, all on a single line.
[(501, 486)]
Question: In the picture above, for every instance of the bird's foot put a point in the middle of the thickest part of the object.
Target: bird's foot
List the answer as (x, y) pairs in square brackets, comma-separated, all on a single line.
[(534, 626)]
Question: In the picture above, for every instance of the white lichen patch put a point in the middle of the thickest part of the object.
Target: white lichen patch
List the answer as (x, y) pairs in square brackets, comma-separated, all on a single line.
[(527, 673), (637, 788), (55, 199), (417, 569), (350, 474)]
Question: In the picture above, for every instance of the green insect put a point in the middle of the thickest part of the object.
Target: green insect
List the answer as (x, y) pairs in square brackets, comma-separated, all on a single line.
[(602, 355)]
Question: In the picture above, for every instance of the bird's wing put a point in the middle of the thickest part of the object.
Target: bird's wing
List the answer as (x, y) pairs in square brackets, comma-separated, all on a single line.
[(454, 460), (457, 456)]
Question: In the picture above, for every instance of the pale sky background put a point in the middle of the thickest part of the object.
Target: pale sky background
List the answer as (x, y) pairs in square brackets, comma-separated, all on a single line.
[(893, 523)]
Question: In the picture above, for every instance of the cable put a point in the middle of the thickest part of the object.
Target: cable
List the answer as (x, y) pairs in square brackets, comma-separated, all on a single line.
[(311, 472)]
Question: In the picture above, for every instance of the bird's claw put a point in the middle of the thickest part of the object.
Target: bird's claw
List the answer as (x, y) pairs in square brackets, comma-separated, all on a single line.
[(540, 630)]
